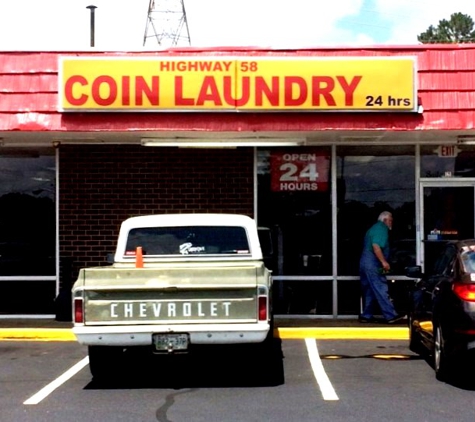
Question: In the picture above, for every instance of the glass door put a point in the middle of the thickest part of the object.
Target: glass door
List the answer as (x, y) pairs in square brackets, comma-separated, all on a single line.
[(447, 213)]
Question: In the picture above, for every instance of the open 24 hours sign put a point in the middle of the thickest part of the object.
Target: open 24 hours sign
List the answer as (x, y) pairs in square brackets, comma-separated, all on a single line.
[(306, 170), (231, 84)]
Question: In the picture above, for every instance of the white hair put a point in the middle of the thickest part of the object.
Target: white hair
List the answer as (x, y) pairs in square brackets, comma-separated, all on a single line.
[(384, 215)]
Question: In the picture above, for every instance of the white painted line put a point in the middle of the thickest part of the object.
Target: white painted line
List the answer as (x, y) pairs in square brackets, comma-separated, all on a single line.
[(320, 375), (46, 391)]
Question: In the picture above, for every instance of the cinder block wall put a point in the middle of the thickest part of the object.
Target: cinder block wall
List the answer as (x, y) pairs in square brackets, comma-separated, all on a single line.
[(100, 186)]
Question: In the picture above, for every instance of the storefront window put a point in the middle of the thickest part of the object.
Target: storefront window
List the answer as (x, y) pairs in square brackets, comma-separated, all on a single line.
[(294, 201), (447, 161), (349, 297), (303, 297), (372, 179), (27, 212)]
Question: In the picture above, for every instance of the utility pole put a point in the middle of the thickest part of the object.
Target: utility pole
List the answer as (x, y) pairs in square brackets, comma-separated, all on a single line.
[(92, 9), (166, 24)]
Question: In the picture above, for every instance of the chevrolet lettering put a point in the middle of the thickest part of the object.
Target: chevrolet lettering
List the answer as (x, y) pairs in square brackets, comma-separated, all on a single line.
[(170, 310)]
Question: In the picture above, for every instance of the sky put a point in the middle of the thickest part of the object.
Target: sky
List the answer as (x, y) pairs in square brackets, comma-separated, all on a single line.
[(121, 25)]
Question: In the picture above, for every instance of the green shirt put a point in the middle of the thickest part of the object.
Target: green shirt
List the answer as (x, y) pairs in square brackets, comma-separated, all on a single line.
[(377, 234)]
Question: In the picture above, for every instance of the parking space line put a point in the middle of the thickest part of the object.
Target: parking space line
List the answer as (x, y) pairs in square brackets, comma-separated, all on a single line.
[(46, 391), (323, 381)]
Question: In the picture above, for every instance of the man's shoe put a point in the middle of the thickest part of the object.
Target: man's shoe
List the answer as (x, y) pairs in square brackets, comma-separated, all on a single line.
[(365, 320), (396, 319)]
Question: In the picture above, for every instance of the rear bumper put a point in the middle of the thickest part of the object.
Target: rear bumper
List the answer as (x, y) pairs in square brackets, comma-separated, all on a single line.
[(141, 335)]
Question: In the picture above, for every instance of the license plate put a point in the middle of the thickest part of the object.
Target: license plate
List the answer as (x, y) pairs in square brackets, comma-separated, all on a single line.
[(170, 342)]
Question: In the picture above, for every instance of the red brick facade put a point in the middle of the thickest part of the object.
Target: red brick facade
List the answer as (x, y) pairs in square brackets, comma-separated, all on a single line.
[(102, 185)]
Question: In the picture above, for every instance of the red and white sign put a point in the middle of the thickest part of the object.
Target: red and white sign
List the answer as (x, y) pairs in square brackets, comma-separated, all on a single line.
[(304, 170), (449, 151)]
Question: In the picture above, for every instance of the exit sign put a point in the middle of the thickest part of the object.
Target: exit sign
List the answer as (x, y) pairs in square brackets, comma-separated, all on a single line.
[(447, 151)]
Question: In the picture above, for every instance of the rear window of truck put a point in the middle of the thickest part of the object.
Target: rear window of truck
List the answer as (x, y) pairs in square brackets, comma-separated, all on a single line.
[(194, 240)]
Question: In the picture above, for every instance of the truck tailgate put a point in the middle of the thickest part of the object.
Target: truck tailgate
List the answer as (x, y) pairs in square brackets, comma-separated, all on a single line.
[(172, 294)]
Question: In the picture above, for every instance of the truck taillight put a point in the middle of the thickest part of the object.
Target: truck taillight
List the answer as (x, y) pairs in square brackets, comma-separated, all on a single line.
[(78, 310), (262, 310)]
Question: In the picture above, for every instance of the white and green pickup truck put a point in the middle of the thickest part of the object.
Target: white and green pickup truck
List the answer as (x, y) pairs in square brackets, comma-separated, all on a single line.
[(176, 281)]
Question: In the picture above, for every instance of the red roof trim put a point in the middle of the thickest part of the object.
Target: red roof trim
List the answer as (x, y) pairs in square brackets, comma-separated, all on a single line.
[(249, 49), (446, 83)]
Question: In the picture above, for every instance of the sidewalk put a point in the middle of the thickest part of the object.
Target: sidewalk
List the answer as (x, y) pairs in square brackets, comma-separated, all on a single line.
[(292, 328)]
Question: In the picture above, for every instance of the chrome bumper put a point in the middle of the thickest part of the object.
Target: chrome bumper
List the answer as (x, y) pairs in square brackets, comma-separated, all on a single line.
[(141, 335)]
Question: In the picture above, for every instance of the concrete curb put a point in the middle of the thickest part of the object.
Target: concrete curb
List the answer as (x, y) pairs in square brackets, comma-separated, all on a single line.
[(321, 333)]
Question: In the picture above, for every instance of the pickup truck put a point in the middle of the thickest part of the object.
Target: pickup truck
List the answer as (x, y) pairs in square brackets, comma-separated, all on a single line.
[(176, 281)]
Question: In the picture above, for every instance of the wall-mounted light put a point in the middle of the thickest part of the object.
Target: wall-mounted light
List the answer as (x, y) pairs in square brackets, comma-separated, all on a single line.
[(466, 139), (95, 141), (224, 143)]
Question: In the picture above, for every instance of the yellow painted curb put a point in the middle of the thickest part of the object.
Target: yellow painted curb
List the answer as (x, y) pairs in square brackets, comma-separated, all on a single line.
[(322, 333), (37, 334), (345, 333)]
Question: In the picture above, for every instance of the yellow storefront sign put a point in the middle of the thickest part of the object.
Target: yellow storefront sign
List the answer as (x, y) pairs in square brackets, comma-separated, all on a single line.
[(238, 84)]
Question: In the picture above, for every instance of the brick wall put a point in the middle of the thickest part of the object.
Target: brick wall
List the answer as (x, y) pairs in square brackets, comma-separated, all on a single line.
[(100, 186)]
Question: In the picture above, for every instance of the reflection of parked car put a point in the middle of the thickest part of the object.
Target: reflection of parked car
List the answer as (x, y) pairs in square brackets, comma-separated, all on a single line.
[(402, 255), (442, 314), (25, 258)]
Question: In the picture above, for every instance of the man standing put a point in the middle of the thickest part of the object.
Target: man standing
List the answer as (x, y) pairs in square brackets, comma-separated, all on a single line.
[(373, 267)]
